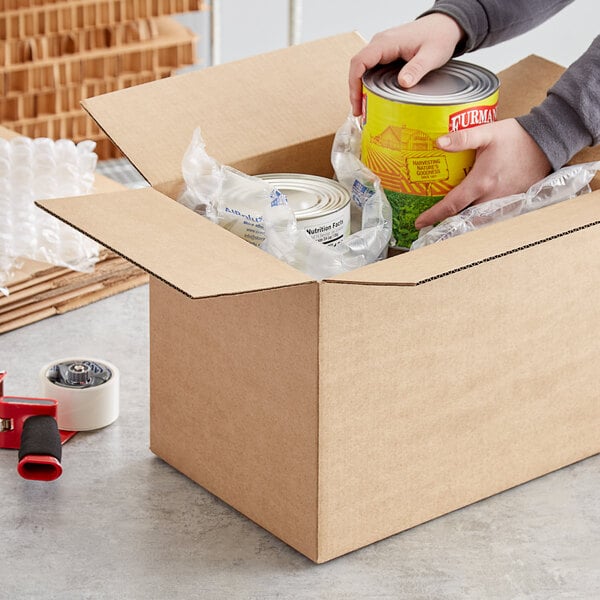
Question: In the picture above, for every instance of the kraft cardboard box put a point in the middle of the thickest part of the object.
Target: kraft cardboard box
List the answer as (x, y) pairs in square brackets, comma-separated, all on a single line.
[(339, 412)]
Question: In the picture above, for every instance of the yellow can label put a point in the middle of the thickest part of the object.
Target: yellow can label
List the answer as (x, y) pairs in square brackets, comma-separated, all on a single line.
[(398, 145)]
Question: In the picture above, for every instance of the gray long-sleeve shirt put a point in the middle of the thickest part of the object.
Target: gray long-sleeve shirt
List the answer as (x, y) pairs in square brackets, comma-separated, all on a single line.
[(569, 118)]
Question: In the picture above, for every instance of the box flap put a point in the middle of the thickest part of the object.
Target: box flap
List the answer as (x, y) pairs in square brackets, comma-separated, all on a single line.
[(245, 108), (490, 243), (174, 244)]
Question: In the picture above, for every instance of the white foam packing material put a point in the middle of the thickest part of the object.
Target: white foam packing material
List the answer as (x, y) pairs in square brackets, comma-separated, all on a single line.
[(38, 169)]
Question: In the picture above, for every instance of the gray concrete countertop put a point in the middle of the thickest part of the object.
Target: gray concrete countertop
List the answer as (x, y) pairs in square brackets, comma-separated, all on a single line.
[(121, 523)]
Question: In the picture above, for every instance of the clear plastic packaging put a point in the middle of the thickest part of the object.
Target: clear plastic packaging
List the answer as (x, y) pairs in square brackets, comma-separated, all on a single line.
[(37, 169), (233, 199), (222, 194), (564, 184)]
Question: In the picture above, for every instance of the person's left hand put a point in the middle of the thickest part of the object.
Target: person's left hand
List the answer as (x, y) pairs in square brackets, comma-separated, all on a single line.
[(507, 161)]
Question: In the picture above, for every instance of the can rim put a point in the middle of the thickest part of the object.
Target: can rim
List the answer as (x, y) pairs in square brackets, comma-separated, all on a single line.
[(479, 83), (330, 195)]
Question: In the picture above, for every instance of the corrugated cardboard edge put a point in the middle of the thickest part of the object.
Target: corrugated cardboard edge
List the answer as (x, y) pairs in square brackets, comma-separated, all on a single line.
[(82, 297), (59, 296), (468, 265), (487, 244)]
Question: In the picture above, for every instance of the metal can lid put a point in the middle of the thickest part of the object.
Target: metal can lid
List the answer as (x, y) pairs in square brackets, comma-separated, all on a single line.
[(456, 82), (309, 195)]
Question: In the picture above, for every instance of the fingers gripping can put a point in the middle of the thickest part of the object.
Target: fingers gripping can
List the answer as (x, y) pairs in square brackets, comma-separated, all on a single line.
[(400, 126)]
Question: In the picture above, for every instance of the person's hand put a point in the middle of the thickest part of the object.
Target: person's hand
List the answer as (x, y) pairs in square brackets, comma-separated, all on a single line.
[(425, 44), (507, 161)]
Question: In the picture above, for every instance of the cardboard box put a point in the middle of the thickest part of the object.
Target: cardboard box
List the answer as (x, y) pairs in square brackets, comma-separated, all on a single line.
[(337, 413)]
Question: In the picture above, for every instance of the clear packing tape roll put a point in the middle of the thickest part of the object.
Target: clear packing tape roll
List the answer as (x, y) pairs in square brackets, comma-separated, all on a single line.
[(564, 184), (226, 196), (87, 391)]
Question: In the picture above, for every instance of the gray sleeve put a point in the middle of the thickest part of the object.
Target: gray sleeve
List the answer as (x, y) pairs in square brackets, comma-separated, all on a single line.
[(569, 118), (488, 22)]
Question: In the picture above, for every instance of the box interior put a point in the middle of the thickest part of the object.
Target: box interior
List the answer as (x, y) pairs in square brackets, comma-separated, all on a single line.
[(274, 112)]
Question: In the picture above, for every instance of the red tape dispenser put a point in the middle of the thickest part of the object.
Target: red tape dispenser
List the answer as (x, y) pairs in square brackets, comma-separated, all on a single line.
[(29, 424)]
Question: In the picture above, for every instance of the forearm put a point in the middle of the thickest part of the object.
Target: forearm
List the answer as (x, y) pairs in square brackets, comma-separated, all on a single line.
[(569, 118), (488, 22)]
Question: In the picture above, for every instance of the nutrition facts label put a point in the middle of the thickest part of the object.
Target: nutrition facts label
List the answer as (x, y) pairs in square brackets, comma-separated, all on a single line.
[(330, 229)]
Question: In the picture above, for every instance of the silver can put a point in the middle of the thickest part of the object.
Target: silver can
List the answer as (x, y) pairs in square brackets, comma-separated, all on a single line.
[(321, 206)]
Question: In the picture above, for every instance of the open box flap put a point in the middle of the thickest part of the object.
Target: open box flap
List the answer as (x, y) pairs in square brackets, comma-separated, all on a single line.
[(489, 243), (173, 243), (245, 108)]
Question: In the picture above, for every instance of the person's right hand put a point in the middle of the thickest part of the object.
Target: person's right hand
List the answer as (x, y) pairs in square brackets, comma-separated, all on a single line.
[(425, 44)]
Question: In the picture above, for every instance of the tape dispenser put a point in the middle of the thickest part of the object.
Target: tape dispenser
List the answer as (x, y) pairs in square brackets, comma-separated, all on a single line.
[(29, 424), (79, 395)]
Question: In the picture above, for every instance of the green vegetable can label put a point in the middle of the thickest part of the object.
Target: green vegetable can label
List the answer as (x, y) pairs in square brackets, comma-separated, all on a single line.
[(398, 145)]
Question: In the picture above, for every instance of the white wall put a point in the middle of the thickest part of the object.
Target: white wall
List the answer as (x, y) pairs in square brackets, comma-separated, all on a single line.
[(251, 27), (562, 38)]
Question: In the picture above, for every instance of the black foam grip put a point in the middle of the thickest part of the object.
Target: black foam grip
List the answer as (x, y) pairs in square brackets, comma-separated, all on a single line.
[(40, 437)]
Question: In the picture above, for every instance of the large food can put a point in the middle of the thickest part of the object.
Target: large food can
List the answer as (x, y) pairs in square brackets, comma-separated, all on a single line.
[(321, 206), (400, 126)]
